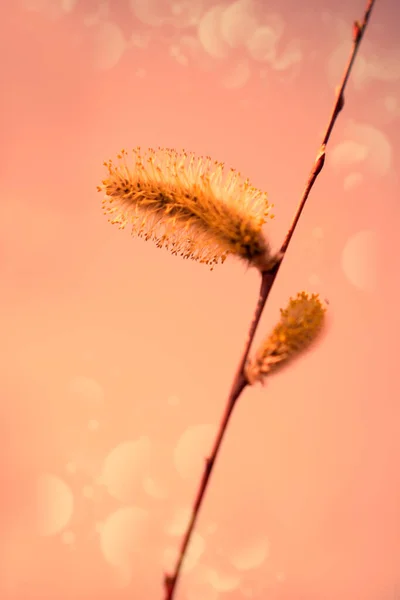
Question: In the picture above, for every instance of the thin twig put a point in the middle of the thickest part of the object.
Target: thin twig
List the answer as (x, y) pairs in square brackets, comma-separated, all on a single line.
[(358, 33), (267, 281), (238, 386)]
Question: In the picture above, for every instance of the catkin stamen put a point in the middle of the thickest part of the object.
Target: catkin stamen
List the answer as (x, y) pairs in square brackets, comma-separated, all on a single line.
[(299, 326), (188, 204)]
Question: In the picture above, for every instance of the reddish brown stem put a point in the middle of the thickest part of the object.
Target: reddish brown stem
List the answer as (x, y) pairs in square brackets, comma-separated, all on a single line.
[(358, 34), (238, 386), (267, 280)]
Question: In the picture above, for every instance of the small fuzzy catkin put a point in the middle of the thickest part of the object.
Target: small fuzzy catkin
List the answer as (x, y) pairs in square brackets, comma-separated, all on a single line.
[(300, 323), (192, 206)]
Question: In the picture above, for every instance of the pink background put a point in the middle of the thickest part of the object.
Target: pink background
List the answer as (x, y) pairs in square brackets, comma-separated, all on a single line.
[(117, 357)]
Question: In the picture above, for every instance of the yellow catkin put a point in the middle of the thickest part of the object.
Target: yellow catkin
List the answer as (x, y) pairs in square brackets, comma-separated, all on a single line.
[(192, 206), (300, 323)]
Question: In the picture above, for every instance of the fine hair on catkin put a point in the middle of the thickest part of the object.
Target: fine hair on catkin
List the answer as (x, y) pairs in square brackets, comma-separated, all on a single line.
[(191, 205)]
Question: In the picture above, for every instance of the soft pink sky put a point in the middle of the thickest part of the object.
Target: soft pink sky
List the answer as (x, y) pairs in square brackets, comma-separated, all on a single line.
[(117, 357)]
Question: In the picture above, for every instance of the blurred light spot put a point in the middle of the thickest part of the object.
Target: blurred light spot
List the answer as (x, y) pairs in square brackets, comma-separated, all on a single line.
[(181, 13), (247, 591), (392, 105), (186, 13), (93, 425), (291, 56), (382, 66), (149, 12), (314, 279), (189, 50), (199, 587), (194, 552), (224, 581), (192, 449), (70, 468), (109, 45), (68, 538), (238, 75), (318, 233), (122, 534), (101, 14), (238, 22), (52, 8), (348, 153), (380, 150), (262, 44), (124, 468), (385, 66), (210, 529), (55, 504), (336, 24), (139, 40), (250, 556), (176, 53), (68, 5), (365, 144), (352, 181), (173, 400), (336, 63), (122, 576), (154, 489), (359, 260), (280, 577), (35, 5), (99, 527), (180, 520), (88, 491), (209, 32), (85, 389)]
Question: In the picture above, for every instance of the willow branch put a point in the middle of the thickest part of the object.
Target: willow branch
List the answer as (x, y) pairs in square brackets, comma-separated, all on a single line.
[(267, 281), (238, 386), (358, 34)]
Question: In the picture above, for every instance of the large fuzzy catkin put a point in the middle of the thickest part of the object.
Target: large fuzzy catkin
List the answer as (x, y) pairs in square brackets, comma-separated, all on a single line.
[(191, 205), (300, 323)]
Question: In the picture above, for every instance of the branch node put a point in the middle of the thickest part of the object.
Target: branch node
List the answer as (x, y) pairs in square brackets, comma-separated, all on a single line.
[(340, 103), (209, 464), (357, 31), (169, 583), (319, 163)]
